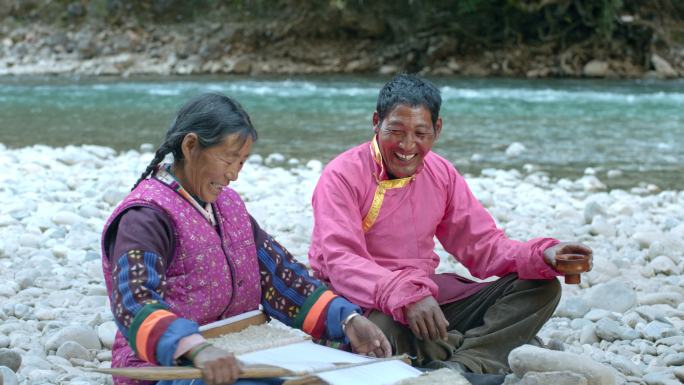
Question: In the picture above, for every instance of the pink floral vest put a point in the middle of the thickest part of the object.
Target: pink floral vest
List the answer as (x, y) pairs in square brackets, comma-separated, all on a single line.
[(212, 275)]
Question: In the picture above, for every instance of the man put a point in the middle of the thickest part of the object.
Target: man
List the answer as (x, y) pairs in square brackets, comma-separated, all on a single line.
[(377, 208)]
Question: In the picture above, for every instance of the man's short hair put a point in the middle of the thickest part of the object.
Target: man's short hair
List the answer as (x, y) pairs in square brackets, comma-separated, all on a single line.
[(410, 90)]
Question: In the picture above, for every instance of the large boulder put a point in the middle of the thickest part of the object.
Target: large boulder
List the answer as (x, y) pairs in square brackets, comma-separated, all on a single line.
[(622, 297), (81, 334), (528, 358), (10, 359)]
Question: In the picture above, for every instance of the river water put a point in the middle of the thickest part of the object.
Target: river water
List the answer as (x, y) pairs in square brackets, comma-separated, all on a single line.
[(636, 127)]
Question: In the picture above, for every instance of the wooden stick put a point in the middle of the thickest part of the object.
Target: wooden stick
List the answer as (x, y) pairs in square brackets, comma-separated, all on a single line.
[(158, 373)]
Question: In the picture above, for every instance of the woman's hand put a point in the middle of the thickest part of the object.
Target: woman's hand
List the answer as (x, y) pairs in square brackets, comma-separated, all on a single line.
[(366, 338), (218, 366)]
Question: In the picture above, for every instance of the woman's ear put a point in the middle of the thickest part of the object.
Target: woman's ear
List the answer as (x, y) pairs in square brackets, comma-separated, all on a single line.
[(189, 145)]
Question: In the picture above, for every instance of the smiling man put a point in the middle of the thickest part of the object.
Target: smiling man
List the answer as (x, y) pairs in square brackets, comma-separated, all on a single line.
[(377, 209)]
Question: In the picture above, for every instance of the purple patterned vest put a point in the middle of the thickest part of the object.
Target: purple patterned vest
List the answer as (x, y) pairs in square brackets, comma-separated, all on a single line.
[(211, 276)]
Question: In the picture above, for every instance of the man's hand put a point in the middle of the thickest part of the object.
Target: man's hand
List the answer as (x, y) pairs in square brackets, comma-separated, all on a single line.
[(218, 366), (366, 338), (426, 319), (567, 248)]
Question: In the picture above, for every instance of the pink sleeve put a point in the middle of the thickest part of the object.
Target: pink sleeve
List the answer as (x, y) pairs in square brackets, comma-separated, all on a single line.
[(340, 253), (469, 233)]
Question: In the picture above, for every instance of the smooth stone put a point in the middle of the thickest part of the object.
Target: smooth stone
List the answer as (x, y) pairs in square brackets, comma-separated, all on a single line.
[(661, 378), (588, 335), (651, 312), (25, 278), (10, 359), (7, 376), (668, 298), (622, 298), (22, 311), (41, 375), (591, 210), (19, 339), (71, 349), (94, 301), (676, 359), (656, 330), (107, 332), (597, 314), (600, 226), (105, 355), (663, 265), (4, 341), (631, 319), (610, 330), (34, 362), (556, 378), (625, 366), (528, 358), (60, 251), (580, 323), (44, 314), (679, 373), (670, 341), (515, 149), (83, 335), (30, 240), (572, 307), (114, 196), (7, 290), (66, 218)]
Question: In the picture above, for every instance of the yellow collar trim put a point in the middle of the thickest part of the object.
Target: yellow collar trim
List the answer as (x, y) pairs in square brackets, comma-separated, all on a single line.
[(383, 185)]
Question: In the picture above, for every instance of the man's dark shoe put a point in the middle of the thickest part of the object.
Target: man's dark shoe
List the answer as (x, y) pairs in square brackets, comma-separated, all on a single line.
[(553, 344)]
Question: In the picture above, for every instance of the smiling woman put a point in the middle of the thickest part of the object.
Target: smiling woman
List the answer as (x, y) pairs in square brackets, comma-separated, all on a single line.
[(181, 250)]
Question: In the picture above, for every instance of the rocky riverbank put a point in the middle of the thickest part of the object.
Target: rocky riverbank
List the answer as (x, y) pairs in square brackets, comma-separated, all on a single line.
[(627, 315), (246, 48)]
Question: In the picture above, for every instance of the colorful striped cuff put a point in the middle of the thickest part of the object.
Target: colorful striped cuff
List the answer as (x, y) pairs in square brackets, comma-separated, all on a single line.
[(317, 315), (313, 313), (307, 305), (147, 328)]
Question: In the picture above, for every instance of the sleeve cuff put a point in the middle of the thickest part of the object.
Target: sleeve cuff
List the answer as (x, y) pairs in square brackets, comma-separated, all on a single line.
[(338, 310), (168, 343)]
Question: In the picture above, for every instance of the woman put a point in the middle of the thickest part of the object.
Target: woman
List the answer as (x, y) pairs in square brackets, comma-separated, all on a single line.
[(181, 250)]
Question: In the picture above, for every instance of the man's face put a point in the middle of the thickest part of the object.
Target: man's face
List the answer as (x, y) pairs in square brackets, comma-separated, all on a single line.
[(405, 137)]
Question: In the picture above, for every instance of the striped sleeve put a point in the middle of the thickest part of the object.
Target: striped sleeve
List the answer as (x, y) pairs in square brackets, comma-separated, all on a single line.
[(291, 295), (140, 311)]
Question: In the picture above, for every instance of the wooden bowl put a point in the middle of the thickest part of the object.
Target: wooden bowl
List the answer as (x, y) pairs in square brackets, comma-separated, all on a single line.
[(571, 265)]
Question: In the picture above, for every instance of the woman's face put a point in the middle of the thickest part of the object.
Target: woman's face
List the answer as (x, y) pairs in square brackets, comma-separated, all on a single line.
[(206, 171)]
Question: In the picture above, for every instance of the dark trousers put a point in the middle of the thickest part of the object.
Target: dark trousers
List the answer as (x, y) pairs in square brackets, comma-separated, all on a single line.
[(484, 327)]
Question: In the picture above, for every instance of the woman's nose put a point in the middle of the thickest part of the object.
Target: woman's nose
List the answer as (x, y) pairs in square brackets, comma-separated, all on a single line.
[(232, 173)]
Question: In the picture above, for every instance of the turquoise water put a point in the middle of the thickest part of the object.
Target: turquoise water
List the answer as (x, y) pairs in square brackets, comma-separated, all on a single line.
[(566, 126)]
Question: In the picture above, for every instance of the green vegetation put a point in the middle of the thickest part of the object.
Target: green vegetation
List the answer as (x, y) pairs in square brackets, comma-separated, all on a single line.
[(577, 29)]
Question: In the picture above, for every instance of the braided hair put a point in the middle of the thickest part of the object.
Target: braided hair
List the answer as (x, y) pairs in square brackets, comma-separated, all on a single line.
[(212, 117)]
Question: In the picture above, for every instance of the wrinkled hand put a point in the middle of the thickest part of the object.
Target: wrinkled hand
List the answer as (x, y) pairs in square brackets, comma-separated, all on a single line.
[(218, 366), (568, 248), (426, 319), (366, 338)]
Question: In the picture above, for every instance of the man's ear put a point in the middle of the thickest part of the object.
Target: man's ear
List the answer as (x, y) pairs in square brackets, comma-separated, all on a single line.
[(189, 145), (438, 127), (376, 122)]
